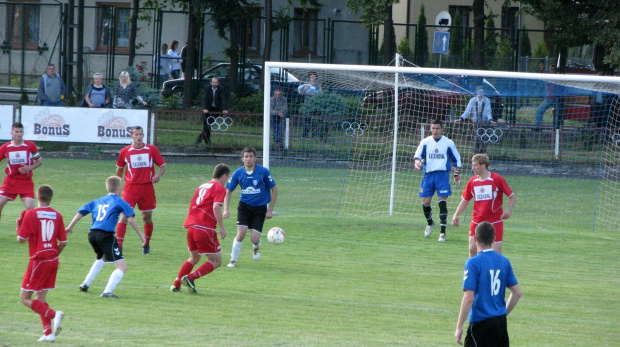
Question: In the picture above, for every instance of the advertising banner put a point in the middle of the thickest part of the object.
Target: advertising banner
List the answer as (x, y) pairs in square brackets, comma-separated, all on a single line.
[(6, 120), (79, 124)]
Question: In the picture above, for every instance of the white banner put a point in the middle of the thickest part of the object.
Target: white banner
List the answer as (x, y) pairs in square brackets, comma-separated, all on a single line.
[(81, 124), (6, 121)]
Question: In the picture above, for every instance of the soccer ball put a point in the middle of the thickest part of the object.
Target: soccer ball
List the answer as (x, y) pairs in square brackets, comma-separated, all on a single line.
[(276, 236)]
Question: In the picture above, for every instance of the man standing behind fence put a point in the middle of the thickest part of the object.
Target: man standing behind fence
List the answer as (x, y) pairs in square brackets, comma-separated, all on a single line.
[(52, 89), (213, 100), (279, 112)]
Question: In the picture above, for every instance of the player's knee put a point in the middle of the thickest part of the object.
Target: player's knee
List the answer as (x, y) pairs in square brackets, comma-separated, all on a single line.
[(121, 265), (216, 262)]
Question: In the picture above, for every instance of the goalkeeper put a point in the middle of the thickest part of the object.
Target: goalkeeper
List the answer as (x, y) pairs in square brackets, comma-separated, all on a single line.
[(434, 155)]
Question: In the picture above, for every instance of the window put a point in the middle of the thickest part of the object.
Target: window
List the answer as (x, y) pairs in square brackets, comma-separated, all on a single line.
[(509, 20), (113, 21), (253, 32), (305, 35), (22, 23)]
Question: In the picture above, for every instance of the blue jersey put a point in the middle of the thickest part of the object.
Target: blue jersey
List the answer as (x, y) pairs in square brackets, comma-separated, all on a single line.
[(255, 186), (438, 154), (488, 274), (105, 211)]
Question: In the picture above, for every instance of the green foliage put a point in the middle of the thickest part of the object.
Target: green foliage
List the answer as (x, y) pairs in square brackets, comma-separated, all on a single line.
[(421, 45), (505, 54), (23, 100), (540, 51), (70, 101), (525, 46), (330, 103), (490, 40), (374, 12), (468, 54), (174, 102), (456, 36), (404, 48), (249, 104)]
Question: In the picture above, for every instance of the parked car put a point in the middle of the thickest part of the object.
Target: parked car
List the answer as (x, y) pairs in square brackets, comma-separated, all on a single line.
[(251, 80)]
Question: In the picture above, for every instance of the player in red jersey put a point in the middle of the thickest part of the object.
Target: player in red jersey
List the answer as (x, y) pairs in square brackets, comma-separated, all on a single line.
[(139, 158), (487, 189), (44, 230), (205, 214), (22, 157)]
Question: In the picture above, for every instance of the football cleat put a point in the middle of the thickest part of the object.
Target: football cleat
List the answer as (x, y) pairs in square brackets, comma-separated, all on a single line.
[(47, 338), (190, 284), (146, 250), (174, 289), (429, 230), (232, 264), (256, 254), (83, 288), (442, 237), (109, 295)]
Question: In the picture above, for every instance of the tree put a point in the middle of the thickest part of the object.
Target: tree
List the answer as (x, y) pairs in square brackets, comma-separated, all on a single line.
[(478, 10), (525, 46), (376, 12), (456, 37), (404, 48), (490, 40), (133, 31), (581, 22), (421, 45)]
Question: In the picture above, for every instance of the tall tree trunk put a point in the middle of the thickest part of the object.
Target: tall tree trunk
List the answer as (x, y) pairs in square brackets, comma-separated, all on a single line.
[(234, 61), (388, 33), (190, 58), (478, 58), (268, 36), (133, 31)]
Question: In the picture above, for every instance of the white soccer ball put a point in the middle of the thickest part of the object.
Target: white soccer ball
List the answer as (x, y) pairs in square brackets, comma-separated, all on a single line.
[(276, 235)]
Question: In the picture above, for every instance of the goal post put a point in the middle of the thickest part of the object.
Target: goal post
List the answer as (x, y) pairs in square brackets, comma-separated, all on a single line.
[(367, 121)]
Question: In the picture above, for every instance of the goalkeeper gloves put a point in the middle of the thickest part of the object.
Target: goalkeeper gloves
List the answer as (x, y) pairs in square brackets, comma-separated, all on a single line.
[(457, 180)]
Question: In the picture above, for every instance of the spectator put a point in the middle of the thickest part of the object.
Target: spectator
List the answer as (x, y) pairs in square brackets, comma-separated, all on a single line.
[(213, 100), (175, 64), (52, 89), (311, 119), (97, 94), (161, 65), (279, 112), (125, 92), (549, 99)]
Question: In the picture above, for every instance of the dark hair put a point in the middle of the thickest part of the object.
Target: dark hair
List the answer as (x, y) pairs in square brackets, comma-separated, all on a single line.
[(437, 121), (45, 193), (248, 149), (17, 125), (137, 127), (221, 170), (485, 233), (174, 42), (312, 73)]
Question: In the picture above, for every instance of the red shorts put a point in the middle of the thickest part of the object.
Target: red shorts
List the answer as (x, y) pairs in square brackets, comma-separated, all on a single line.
[(203, 240), (499, 230), (141, 194), (12, 187), (40, 275)]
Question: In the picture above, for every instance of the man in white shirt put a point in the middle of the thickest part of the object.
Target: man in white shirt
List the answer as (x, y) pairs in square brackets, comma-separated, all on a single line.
[(478, 108)]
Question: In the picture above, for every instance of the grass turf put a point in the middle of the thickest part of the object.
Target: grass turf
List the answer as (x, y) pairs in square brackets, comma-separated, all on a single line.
[(344, 281)]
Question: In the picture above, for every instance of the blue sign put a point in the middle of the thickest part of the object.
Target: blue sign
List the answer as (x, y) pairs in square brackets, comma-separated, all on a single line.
[(441, 44)]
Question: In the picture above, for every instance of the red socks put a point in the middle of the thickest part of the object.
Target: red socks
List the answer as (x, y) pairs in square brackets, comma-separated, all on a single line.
[(46, 313), (186, 268), (148, 232), (121, 229), (203, 270)]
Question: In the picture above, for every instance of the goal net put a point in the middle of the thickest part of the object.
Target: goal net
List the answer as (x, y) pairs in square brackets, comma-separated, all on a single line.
[(350, 132)]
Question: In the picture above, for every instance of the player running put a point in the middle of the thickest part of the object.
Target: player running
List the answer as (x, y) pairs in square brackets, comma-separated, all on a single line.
[(434, 155), (44, 230), (205, 214), (487, 189), (105, 211), (139, 158), (22, 158), (256, 203)]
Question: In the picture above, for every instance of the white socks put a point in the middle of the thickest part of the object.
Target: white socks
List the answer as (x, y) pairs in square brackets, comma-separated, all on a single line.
[(94, 271), (236, 249), (115, 279)]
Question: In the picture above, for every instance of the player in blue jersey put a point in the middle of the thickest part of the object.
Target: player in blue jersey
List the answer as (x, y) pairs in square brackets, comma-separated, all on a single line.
[(105, 211), (436, 155), (485, 279), (258, 197)]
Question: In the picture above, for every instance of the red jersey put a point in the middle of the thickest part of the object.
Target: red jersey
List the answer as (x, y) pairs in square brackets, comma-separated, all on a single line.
[(140, 163), (44, 228), (201, 207), (18, 156), (488, 197)]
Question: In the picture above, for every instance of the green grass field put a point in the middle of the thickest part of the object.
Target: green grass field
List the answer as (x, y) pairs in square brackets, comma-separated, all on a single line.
[(336, 281)]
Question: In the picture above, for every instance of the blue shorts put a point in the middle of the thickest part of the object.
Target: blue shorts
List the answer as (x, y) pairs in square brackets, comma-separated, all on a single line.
[(436, 181)]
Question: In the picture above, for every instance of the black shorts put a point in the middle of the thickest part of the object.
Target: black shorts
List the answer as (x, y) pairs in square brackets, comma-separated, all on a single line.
[(252, 217), (492, 332), (105, 245)]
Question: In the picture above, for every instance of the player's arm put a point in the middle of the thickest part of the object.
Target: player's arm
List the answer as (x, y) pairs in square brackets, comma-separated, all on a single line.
[(119, 171), (272, 203), (217, 212), (226, 213), (468, 300), (131, 220), (75, 219), (160, 172), (513, 299), (511, 204), (61, 246), (35, 164), (21, 239), (462, 206)]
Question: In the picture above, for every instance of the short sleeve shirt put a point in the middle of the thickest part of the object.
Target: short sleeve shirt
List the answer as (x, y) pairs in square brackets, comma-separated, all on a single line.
[(140, 163), (18, 156), (488, 197), (105, 211), (255, 186), (487, 275), (438, 154), (201, 207), (44, 228)]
